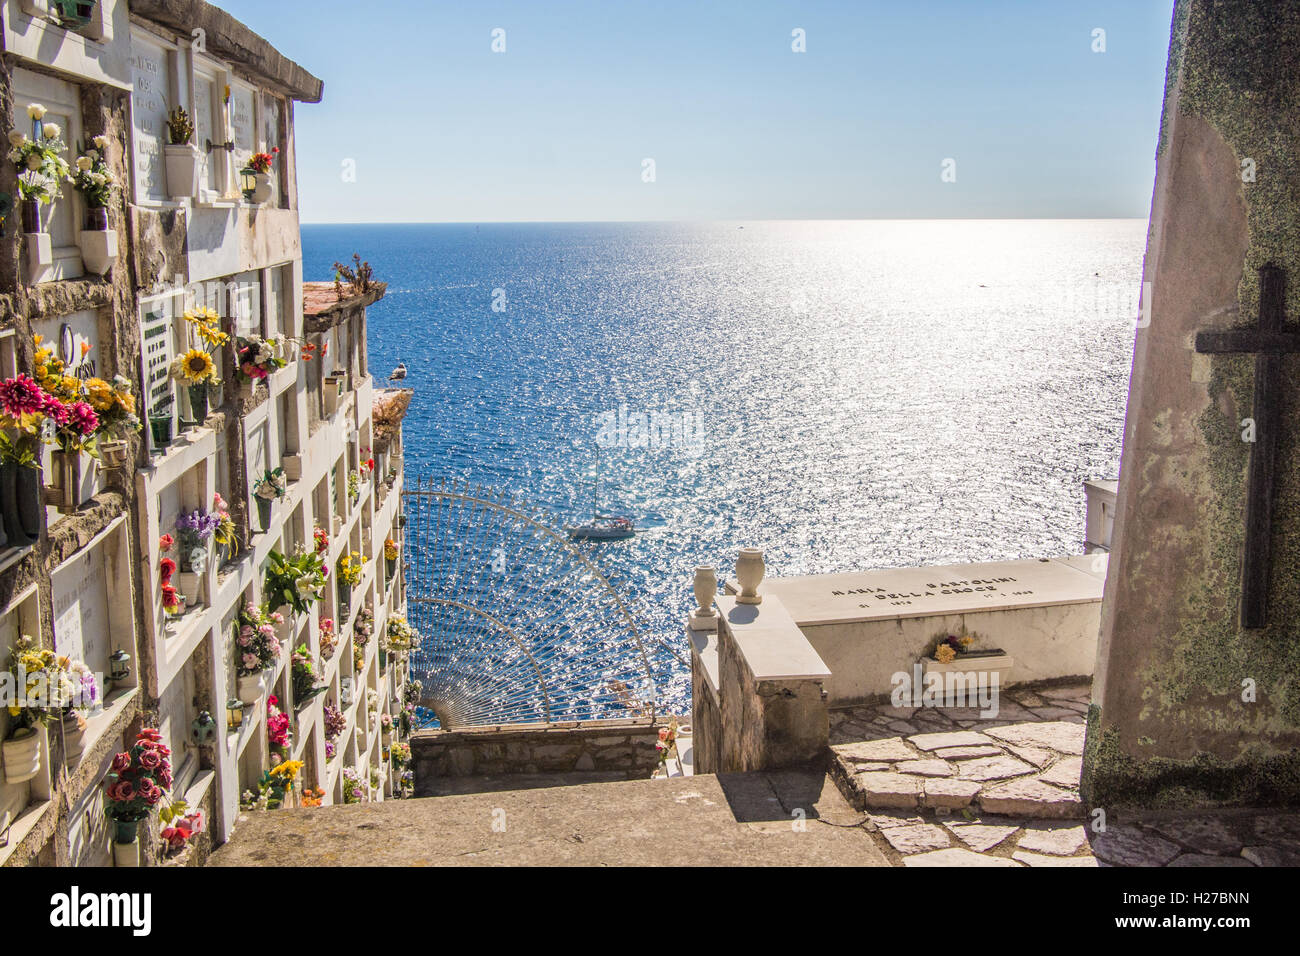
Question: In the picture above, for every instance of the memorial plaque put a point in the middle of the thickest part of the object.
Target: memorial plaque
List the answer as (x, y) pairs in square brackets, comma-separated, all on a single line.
[(79, 590), (149, 110), (242, 129), (940, 590), (156, 340), (205, 100)]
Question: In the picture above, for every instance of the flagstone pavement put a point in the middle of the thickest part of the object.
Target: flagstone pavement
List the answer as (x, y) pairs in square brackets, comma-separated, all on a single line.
[(948, 787)]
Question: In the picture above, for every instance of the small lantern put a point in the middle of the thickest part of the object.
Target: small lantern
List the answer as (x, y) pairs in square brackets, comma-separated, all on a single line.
[(119, 667), (202, 729), (248, 182), (234, 713)]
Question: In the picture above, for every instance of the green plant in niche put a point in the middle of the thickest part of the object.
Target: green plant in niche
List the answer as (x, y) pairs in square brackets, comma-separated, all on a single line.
[(179, 126)]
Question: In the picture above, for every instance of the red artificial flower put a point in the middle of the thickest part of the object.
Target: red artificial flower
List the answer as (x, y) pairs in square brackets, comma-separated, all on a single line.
[(169, 597), (166, 542), (166, 568)]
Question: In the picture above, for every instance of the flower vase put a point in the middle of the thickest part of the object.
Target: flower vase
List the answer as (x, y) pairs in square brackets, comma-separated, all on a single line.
[(263, 512), (252, 687), (31, 215), (20, 503), (125, 831), (74, 738), (22, 755), (184, 166), (345, 596), (97, 217), (187, 582), (73, 483), (199, 403), (392, 567)]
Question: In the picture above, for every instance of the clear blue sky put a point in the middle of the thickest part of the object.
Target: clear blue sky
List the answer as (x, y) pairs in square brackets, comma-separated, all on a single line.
[(739, 125)]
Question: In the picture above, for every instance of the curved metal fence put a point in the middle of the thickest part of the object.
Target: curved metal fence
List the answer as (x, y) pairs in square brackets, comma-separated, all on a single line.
[(519, 623)]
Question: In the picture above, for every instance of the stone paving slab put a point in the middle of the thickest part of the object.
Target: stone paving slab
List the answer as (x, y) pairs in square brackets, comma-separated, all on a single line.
[(1014, 799)]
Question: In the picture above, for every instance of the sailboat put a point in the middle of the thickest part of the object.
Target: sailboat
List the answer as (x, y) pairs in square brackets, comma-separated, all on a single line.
[(602, 527)]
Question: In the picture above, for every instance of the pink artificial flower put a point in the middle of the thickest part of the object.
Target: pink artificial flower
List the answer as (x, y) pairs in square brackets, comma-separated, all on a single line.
[(121, 762), (121, 792), (21, 396), (55, 410), (150, 760), (82, 418), (250, 662)]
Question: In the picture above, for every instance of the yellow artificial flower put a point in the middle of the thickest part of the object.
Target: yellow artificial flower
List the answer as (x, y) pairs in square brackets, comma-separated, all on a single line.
[(944, 654), (100, 394), (196, 366)]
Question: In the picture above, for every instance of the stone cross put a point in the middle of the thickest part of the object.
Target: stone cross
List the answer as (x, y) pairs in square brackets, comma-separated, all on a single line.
[(1268, 341)]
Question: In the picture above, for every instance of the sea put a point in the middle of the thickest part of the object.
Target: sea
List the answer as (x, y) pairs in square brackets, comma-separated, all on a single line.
[(844, 395)]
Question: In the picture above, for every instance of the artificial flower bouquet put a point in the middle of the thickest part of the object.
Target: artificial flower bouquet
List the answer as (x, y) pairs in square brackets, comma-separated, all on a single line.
[(303, 673), (350, 566), (138, 779), (259, 357), (257, 641), (93, 179), (297, 580), (194, 529), (41, 167), (400, 639), (271, 485)]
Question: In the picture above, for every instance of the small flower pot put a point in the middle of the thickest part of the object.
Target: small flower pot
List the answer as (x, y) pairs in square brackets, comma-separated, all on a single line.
[(31, 216), (125, 831), (184, 170), (21, 504), (22, 755), (126, 854), (331, 395), (97, 219), (98, 249), (252, 687), (345, 596), (188, 583), (113, 454), (161, 429), (263, 512)]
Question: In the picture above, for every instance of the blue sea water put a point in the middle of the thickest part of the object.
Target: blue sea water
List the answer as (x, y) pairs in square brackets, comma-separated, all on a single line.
[(853, 394)]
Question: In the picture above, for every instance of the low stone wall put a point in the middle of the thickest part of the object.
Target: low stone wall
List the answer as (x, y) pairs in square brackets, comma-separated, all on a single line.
[(597, 746), (759, 700)]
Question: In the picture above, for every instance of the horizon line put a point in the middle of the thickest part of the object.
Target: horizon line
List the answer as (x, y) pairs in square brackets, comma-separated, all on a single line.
[(543, 222)]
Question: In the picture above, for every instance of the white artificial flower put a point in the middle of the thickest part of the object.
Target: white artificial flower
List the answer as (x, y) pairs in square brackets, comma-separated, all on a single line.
[(16, 137), (33, 162), (36, 111), (92, 155), (84, 163), (51, 131), (101, 142)]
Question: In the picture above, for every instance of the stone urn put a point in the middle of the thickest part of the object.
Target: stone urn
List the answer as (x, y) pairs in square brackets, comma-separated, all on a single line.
[(705, 617), (22, 755), (750, 570)]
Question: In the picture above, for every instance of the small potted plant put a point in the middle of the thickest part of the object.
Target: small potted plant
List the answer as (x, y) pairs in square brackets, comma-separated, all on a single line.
[(194, 531), (95, 182), (272, 486), (296, 581), (40, 685), (23, 410), (257, 176), (138, 780), (114, 403), (257, 648), (349, 569), (183, 159), (41, 169)]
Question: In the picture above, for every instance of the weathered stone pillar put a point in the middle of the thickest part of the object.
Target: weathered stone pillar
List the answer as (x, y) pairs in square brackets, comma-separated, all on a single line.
[(1197, 699)]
